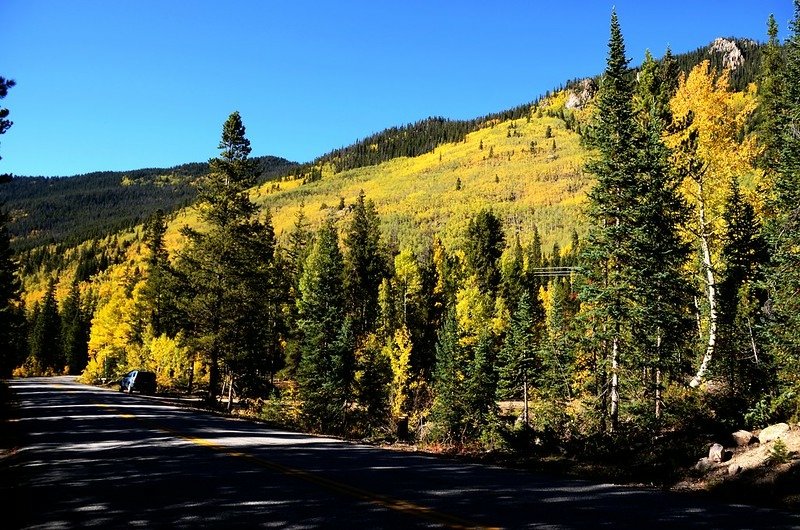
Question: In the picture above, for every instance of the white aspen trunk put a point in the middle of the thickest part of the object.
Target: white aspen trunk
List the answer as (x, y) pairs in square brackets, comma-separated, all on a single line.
[(711, 292), (752, 341), (525, 397), (697, 318), (658, 393), (614, 383), (658, 379), (230, 392)]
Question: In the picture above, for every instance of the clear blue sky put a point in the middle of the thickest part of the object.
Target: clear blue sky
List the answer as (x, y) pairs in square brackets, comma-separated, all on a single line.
[(125, 84)]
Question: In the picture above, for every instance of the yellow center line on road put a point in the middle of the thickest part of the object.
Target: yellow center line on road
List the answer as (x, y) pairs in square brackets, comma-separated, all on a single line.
[(399, 505)]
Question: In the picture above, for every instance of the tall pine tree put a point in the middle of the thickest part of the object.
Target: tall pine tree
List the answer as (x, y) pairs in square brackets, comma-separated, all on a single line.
[(661, 292), (224, 271), (608, 253), (11, 322), (44, 341), (784, 226), (744, 252), (75, 325), (326, 371), (365, 265)]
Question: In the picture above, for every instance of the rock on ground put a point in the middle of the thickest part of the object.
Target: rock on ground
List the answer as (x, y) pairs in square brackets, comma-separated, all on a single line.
[(716, 453), (743, 438), (773, 432)]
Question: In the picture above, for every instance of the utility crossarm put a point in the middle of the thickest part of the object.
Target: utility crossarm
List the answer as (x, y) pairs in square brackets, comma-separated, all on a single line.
[(552, 271)]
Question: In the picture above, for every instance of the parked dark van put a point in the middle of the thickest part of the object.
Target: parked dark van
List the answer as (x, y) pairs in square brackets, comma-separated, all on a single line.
[(138, 380)]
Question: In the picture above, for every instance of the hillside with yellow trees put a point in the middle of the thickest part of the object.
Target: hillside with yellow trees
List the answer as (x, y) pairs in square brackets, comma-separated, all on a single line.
[(604, 267)]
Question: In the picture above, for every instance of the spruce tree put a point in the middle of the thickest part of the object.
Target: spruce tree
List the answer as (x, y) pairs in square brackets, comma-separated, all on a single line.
[(480, 387), (660, 290), (75, 326), (162, 312), (514, 275), (519, 358), (770, 115), (326, 371), (484, 246), (784, 226), (554, 374), (744, 253), (45, 343), (5, 123), (448, 411), (372, 386), (365, 266), (533, 273), (11, 323), (607, 255), (226, 274)]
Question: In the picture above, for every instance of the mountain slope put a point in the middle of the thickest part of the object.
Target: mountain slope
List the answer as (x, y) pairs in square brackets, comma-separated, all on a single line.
[(526, 174), (74, 209)]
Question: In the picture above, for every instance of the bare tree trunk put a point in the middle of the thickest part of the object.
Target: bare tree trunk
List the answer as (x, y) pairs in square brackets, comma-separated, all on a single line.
[(711, 291)]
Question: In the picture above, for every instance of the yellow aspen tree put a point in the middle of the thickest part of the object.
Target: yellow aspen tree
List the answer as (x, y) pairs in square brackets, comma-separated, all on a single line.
[(400, 357), (709, 151), (114, 328)]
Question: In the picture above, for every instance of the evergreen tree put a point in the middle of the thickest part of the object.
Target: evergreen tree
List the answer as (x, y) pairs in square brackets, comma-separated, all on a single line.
[(608, 253), (325, 373), (45, 342), (160, 276), (5, 123), (295, 254), (514, 275), (10, 322), (425, 318), (298, 248), (519, 357), (75, 325), (771, 115), (555, 370), (372, 385), (784, 227), (533, 272), (480, 388), (226, 274), (485, 244), (744, 252), (365, 266), (448, 411), (661, 293)]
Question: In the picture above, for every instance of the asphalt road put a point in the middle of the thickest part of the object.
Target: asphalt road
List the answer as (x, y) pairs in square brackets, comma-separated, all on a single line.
[(98, 458)]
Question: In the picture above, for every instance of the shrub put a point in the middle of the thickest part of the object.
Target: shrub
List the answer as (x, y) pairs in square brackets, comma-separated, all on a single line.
[(779, 454)]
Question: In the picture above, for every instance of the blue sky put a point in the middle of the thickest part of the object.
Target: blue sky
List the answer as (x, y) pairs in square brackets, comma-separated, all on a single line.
[(126, 84)]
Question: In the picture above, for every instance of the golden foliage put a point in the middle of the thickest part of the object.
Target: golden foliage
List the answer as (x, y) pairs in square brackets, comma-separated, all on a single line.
[(400, 360), (719, 116)]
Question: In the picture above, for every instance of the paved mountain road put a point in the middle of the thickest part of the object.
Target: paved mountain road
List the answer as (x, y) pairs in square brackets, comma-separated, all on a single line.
[(93, 457)]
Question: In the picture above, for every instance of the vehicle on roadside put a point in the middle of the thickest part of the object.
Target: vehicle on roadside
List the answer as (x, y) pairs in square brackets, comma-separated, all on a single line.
[(138, 380)]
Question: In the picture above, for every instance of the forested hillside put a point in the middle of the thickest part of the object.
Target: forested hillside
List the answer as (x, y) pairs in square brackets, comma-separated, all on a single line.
[(608, 267), (70, 210)]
